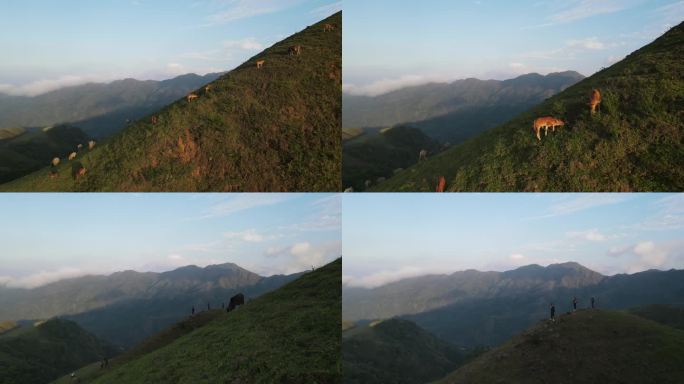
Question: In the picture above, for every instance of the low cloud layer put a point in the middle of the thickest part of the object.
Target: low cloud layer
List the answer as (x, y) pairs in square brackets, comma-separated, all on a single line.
[(43, 277), (40, 87)]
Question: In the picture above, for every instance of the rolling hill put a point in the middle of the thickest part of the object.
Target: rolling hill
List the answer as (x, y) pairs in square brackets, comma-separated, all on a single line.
[(590, 346), (99, 109), (42, 352), (126, 307), (473, 308), (271, 129), (291, 335), (455, 111), (633, 144), (396, 351), (373, 155), (29, 150)]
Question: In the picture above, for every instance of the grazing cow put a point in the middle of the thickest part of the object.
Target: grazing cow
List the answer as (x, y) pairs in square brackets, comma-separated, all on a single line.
[(260, 63), (207, 88), (91, 144), (546, 122), (191, 97), (595, 101), (295, 50), (328, 27), (154, 120), (422, 155), (72, 155), (55, 161), (79, 147), (77, 170), (236, 300), (348, 190), (441, 185)]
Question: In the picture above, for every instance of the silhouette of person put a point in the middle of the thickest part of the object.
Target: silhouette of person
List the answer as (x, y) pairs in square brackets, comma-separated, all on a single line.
[(592, 302), (553, 312), (574, 303), (193, 309), (223, 305), (208, 306)]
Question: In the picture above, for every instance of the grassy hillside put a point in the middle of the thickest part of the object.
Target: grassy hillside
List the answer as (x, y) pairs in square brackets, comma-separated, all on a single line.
[(396, 351), (27, 152), (271, 129), (41, 353), (589, 346), (372, 155), (291, 335), (7, 326), (664, 314), (634, 144)]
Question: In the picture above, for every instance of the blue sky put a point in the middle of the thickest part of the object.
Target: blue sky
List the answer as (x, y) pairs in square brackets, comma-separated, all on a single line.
[(53, 43), (393, 43), (46, 237), (387, 237)]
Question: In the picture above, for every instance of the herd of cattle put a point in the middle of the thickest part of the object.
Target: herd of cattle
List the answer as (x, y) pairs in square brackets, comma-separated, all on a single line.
[(77, 168)]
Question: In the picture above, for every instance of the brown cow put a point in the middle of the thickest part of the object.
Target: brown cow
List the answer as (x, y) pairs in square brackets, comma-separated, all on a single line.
[(207, 88), (546, 122), (441, 185), (72, 156), (295, 50), (91, 145), (595, 100), (260, 63), (328, 27), (55, 161), (191, 97)]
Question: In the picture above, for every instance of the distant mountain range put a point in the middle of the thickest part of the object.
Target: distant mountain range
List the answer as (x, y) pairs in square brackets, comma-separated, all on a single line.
[(125, 307), (473, 308), (99, 109), (454, 112)]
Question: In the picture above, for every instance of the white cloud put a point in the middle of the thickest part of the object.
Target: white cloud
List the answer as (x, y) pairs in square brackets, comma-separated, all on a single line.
[(582, 9), (303, 255), (574, 203), (233, 10), (40, 87), (43, 277), (388, 85), (248, 235), (242, 202), (590, 235), (384, 277), (591, 43), (248, 44), (649, 254), (516, 256)]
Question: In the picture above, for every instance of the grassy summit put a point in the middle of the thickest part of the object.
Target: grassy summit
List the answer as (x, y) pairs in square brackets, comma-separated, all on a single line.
[(271, 129), (634, 144), (291, 335), (589, 346)]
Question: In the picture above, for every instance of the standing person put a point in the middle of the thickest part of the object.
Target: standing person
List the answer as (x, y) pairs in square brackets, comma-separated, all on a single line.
[(553, 312), (193, 309), (592, 302), (208, 306), (574, 303)]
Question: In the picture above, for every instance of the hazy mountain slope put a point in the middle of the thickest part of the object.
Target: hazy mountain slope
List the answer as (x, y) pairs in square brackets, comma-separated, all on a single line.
[(126, 307), (591, 346), (289, 335), (456, 111), (97, 108), (32, 150), (271, 129), (39, 354), (396, 351), (374, 155), (485, 308), (634, 143)]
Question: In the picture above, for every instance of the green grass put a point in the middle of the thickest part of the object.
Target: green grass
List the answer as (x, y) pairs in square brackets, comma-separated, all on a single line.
[(664, 314), (270, 129), (589, 346), (634, 144), (39, 354), (291, 335)]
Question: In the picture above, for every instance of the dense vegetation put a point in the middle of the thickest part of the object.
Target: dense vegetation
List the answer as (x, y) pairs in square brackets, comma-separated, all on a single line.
[(98, 109), (373, 155), (291, 335), (126, 307), (30, 150), (589, 346), (271, 129), (396, 351), (634, 143), (456, 111), (41, 353), (473, 308)]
